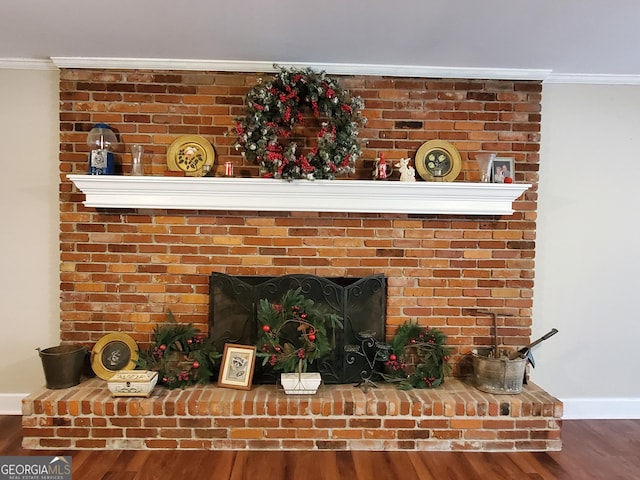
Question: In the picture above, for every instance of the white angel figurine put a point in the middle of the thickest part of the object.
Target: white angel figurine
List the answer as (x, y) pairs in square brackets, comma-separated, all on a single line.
[(407, 173)]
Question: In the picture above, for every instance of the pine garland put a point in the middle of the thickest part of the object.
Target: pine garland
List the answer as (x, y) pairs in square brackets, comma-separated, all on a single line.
[(277, 106)]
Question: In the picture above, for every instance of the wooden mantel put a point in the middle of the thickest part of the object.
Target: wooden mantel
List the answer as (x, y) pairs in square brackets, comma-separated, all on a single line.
[(260, 194)]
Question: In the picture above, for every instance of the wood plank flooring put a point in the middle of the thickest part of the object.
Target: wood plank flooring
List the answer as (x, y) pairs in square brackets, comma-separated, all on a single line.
[(592, 449)]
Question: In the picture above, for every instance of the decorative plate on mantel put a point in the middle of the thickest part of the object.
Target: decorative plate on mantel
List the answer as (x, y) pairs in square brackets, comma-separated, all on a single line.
[(189, 154), (437, 160)]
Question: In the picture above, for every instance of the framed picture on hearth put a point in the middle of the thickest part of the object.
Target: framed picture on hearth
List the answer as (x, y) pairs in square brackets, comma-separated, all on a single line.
[(502, 170), (237, 366)]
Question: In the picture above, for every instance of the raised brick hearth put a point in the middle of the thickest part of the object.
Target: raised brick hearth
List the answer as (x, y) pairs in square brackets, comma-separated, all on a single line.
[(454, 417)]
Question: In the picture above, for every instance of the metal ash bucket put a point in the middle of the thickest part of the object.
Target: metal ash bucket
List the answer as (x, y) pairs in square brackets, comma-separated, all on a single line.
[(62, 365), (497, 375)]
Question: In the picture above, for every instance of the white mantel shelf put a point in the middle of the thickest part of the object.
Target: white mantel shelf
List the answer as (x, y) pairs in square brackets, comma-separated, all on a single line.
[(260, 194)]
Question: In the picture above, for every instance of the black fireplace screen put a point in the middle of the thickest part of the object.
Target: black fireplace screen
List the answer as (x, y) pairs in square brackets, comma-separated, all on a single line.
[(361, 302)]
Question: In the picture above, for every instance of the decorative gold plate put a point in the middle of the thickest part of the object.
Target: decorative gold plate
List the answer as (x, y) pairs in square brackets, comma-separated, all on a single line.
[(189, 154), (112, 353), (437, 160)]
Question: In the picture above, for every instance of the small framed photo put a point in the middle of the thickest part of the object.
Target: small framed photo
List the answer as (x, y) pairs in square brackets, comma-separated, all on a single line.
[(503, 167), (237, 366)]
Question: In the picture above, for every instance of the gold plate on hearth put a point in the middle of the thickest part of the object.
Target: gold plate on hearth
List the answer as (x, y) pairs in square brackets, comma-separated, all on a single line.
[(112, 353), (189, 154), (437, 160)]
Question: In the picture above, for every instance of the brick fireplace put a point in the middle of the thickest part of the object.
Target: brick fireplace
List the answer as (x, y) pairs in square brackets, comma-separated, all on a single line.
[(121, 269)]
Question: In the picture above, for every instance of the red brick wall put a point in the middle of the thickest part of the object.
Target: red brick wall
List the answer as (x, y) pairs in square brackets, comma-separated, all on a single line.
[(122, 269)]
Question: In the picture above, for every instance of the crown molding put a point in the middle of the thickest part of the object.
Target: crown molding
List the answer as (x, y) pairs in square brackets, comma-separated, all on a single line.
[(593, 79), (331, 68), (27, 64), (545, 75)]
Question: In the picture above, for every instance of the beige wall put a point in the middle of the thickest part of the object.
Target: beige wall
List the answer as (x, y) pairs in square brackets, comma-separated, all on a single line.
[(29, 239), (587, 253)]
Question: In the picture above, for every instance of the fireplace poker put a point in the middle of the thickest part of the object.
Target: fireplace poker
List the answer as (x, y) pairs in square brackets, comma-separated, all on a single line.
[(525, 352), (495, 326)]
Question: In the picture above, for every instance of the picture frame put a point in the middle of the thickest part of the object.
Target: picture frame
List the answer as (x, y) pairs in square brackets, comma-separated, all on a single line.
[(502, 168), (238, 362), (438, 161)]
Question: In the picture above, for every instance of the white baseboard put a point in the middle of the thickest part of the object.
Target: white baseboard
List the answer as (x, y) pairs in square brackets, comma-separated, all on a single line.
[(601, 408), (11, 403)]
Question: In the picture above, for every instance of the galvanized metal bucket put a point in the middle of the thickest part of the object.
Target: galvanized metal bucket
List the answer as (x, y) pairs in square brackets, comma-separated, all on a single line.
[(497, 375)]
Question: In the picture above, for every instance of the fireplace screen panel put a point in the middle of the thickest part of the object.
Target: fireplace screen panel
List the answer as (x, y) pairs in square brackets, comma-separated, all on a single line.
[(361, 302)]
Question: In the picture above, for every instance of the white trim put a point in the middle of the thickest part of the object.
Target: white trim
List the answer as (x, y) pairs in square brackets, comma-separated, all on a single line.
[(26, 64), (260, 194), (421, 71), (331, 68), (601, 408), (603, 79), (11, 403)]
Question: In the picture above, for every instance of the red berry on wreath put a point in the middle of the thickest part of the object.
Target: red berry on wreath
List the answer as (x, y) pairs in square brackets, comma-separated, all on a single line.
[(303, 316), (392, 357), (266, 328), (163, 347), (277, 348), (195, 364), (311, 337)]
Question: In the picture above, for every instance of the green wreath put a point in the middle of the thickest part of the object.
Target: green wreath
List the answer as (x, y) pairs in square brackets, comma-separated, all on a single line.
[(416, 357), (180, 354), (295, 332), (276, 107)]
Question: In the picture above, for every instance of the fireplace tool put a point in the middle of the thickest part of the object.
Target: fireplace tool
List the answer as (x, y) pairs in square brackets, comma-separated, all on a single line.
[(525, 352), (367, 352), (495, 373), (502, 374), (495, 352)]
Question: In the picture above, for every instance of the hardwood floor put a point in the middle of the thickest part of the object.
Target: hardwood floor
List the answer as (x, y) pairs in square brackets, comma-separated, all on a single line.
[(593, 449)]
